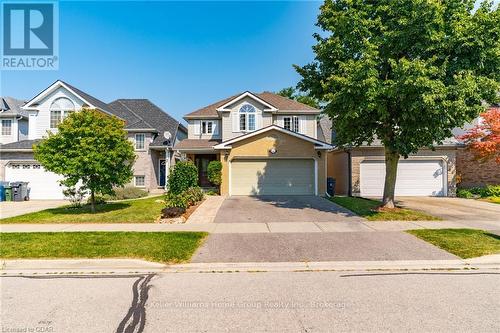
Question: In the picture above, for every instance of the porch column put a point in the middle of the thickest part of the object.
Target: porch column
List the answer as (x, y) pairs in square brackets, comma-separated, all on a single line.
[(167, 167)]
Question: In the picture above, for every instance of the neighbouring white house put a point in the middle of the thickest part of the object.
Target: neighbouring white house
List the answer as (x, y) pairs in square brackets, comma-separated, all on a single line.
[(24, 123)]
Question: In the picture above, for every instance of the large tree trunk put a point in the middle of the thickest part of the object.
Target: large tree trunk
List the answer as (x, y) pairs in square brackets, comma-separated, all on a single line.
[(391, 170), (92, 201)]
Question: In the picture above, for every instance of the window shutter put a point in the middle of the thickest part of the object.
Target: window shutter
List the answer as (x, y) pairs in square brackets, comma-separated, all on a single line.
[(236, 121), (215, 128), (197, 127), (258, 120), (302, 125), (280, 122)]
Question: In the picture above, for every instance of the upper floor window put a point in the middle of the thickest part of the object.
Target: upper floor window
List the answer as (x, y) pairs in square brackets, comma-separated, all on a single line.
[(6, 127), (139, 141), (292, 123), (60, 109), (247, 118), (207, 127)]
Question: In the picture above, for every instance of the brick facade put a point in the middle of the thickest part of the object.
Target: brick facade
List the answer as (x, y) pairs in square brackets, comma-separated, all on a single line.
[(472, 173)]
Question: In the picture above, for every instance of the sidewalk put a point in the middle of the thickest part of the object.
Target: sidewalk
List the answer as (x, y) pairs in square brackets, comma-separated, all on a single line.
[(133, 266), (281, 227)]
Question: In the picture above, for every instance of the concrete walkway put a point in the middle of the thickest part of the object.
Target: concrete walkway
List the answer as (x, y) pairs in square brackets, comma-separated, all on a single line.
[(252, 227), (207, 211), (15, 208)]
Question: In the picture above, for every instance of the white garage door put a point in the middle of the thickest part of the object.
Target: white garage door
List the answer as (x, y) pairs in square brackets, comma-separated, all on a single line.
[(415, 178), (41, 184), (272, 177)]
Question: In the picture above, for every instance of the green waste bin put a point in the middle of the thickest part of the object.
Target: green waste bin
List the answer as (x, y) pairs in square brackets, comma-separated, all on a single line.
[(8, 193)]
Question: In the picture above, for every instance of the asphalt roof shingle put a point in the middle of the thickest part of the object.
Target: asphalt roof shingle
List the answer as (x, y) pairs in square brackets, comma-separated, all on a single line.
[(12, 106), (283, 104)]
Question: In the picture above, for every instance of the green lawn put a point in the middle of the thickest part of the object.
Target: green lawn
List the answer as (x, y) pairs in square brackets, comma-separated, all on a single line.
[(167, 247), (129, 211), (364, 207), (465, 243)]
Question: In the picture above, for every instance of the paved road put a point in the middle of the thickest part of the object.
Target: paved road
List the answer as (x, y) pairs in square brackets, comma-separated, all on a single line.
[(244, 209), (455, 209), (255, 302), (346, 246)]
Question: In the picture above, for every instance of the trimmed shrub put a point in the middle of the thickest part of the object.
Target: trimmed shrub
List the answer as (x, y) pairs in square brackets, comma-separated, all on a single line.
[(176, 201), (75, 195), (128, 192), (464, 193), (193, 195), (215, 172), (493, 190), (183, 176)]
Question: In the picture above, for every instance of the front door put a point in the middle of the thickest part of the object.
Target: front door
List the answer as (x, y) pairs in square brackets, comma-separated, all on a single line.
[(201, 162), (162, 173)]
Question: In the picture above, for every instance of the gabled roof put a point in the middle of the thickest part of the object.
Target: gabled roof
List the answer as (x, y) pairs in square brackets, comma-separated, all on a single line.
[(12, 107), (269, 107), (317, 143), (280, 103), (91, 101), (143, 114)]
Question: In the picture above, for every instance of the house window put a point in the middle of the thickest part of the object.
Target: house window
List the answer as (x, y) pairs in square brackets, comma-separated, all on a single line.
[(139, 141), (139, 181), (59, 110), (247, 118), (207, 127), (6, 127), (291, 123)]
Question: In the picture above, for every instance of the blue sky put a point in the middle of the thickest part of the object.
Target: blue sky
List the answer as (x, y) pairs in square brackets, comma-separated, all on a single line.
[(180, 55)]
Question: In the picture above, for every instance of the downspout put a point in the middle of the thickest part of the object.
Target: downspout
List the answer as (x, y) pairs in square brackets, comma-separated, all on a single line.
[(349, 172)]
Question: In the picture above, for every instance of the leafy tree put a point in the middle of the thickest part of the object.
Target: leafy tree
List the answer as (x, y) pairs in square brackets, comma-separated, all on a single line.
[(292, 93), (484, 139), (183, 176), (403, 71), (214, 170), (90, 148)]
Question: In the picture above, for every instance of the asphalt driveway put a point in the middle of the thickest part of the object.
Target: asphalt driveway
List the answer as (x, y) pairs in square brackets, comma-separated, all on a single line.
[(454, 209), (342, 246), (264, 209), (15, 208)]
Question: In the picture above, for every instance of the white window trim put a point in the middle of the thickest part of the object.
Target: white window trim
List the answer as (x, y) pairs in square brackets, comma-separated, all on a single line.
[(9, 127), (246, 130), (206, 122), (292, 123), (135, 181), (143, 142)]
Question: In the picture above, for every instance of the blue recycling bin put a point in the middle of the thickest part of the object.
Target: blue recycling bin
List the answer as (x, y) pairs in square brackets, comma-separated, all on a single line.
[(2, 192)]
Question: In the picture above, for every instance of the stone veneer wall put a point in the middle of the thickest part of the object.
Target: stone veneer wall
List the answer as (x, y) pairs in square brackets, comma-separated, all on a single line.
[(472, 173), (360, 154)]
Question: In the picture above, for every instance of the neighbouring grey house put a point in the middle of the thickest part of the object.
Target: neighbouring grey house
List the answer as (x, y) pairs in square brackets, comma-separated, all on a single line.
[(152, 131)]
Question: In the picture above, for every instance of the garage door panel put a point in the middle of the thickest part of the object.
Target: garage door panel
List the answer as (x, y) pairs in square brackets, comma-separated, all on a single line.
[(272, 177), (41, 184), (415, 178)]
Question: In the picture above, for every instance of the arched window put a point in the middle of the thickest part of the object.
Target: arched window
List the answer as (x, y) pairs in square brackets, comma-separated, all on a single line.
[(247, 118), (60, 109)]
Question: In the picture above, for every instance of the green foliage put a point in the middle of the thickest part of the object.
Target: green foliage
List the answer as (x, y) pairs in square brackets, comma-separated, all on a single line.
[(183, 176), (128, 192), (292, 93), (215, 172), (193, 195), (481, 192), (75, 195), (98, 200), (173, 200), (90, 147), (404, 71)]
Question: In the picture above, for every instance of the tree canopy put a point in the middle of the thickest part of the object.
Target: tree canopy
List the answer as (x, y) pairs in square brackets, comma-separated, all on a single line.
[(292, 93), (483, 140), (91, 149), (403, 71)]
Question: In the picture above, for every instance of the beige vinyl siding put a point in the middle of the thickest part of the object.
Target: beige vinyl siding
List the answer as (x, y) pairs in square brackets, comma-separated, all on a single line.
[(192, 131), (308, 124)]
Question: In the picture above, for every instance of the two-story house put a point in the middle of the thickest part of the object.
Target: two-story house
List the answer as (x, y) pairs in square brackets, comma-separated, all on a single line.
[(267, 144), (152, 132)]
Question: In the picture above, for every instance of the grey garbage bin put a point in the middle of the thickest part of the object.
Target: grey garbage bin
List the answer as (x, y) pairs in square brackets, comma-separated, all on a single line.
[(19, 191)]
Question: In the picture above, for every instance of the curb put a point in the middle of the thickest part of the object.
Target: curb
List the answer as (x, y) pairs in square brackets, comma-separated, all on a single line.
[(126, 266)]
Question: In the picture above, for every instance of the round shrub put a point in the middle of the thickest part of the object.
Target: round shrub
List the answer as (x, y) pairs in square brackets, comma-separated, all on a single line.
[(183, 176), (193, 195), (215, 172)]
